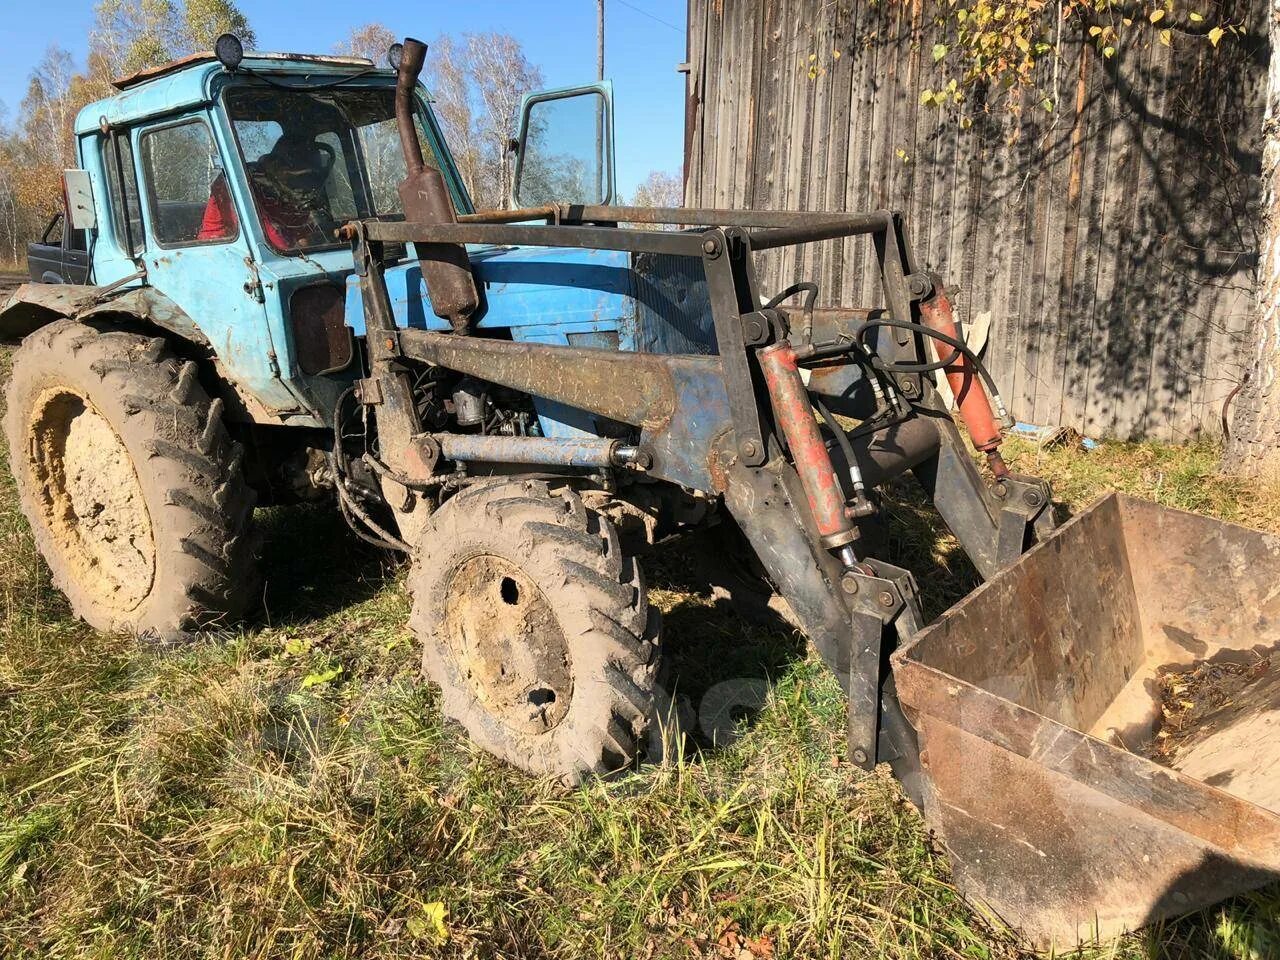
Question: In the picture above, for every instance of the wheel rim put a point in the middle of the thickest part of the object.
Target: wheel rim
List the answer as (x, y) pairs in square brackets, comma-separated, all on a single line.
[(506, 639), (91, 500)]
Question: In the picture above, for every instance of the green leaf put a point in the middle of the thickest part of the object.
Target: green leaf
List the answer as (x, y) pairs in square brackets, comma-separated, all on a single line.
[(1047, 104), (939, 51), (315, 679), (1215, 35)]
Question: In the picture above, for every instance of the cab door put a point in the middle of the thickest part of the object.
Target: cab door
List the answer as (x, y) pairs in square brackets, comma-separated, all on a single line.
[(196, 253)]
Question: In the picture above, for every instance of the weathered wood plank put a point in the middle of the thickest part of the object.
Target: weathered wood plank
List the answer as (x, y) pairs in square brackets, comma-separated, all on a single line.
[(1109, 239)]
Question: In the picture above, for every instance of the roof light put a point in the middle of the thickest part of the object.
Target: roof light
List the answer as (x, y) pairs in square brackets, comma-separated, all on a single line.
[(394, 53), (229, 51)]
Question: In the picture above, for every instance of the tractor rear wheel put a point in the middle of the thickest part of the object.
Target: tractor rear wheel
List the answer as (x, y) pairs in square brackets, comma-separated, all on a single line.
[(131, 484), (537, 628)]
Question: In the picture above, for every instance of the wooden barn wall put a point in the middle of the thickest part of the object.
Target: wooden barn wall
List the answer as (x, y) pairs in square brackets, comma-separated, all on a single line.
[(1112, 240)]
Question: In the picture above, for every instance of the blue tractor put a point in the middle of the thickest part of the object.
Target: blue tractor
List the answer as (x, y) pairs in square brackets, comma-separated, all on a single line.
[(287, 294)]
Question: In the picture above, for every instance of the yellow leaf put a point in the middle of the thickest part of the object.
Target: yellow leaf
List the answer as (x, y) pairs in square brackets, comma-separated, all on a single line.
[(835, 54), (1157, 15), (1215, 35), (1108, 52), (926, 97), (1095, 30), (429, 924), (1127, 21), (1166, 37), (1195, 17)]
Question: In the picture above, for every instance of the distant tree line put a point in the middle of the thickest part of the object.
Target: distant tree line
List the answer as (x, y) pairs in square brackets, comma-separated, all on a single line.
[(476, 82)]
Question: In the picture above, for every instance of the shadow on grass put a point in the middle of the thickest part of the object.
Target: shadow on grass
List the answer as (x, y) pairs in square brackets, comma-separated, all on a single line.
[(313, 565)]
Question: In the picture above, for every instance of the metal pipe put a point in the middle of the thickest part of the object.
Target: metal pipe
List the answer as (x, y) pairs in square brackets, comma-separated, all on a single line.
[(814, 230), (794, 414), (971, 396), (412, 58), (542, 451), (446, 267)]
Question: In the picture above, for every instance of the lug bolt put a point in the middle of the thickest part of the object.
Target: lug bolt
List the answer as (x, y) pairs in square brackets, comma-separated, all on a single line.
[(999, 491), (909, 388), (749, 448), (859, 756), (849, 584), (710, 247), (1032, 498), (886, 599), (389, 343)]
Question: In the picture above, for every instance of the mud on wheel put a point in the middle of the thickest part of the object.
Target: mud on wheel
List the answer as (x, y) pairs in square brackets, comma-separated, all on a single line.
[(537, 628), (129, 480)]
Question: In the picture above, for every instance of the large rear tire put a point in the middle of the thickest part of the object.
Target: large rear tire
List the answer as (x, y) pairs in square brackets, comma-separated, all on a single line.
[(130, 481), (537, 628)]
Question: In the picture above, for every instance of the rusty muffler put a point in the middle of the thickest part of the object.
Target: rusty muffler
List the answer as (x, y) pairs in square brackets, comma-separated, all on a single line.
[(1099, 724), (446, 268)]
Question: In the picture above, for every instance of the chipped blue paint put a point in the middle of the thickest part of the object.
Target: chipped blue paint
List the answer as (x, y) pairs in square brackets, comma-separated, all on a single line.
[(236, 292)]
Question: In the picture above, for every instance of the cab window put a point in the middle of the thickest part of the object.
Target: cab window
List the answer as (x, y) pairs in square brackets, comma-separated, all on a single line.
[(187, 191), (126, 210), (318, 158)]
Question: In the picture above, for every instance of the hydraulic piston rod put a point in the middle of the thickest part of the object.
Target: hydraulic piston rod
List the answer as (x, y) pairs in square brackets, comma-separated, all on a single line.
[(795, 417)]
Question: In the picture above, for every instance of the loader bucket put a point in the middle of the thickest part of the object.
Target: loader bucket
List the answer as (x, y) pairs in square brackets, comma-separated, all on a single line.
[(1099, 723)]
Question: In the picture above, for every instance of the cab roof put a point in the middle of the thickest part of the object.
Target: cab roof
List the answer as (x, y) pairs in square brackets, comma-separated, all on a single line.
[(190, 81)]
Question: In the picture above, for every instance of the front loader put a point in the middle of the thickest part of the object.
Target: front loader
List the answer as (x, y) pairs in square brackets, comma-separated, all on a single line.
[(527, 402)]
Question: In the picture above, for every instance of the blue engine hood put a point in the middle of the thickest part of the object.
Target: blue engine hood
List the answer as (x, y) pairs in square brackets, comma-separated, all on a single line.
[(655, 304), (606, 299)]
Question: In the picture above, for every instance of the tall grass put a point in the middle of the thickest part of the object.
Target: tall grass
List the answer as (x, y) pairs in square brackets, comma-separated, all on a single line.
[(207, 803)]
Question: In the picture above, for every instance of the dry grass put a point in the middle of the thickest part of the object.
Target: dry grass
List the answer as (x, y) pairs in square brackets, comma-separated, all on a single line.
[(204, 803)]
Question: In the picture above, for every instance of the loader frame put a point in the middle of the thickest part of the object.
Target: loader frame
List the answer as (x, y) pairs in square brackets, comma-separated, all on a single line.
[(706, 421)]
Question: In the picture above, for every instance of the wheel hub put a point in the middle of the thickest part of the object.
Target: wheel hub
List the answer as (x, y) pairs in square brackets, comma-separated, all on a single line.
[(509, 643), (91, 499)]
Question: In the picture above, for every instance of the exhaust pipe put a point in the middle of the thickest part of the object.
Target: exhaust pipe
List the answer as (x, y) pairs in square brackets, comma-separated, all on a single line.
[(446, 268)]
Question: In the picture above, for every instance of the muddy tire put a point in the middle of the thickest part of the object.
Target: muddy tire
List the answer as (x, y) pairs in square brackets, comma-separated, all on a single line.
[(537, 628), (131, 484)]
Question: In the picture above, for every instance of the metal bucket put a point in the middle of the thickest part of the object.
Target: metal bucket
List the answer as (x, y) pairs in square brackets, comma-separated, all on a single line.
[(1099, 723)]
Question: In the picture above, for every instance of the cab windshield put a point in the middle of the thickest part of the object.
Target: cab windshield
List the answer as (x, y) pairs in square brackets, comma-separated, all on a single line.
[(316, 159)]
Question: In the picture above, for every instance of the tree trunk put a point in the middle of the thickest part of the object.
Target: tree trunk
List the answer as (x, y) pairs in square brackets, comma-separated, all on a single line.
[(1254, 447)]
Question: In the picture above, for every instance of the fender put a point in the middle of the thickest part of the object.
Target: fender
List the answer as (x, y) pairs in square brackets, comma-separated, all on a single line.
[(34, 305)]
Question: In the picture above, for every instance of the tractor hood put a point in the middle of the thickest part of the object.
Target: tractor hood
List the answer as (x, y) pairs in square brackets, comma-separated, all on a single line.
[(587, 298)]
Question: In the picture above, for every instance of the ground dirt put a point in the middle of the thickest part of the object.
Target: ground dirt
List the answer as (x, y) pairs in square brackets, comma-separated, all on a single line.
[(287, 788)]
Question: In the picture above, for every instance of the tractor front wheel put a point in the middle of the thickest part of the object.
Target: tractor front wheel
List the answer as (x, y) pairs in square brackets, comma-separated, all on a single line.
[(130, 482), (537, 628)]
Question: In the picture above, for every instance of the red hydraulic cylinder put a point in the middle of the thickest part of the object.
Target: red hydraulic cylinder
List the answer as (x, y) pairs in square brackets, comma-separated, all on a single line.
[(971, 395), (795, 417)]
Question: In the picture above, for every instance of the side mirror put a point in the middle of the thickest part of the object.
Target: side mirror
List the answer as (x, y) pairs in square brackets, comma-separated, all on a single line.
[(564, 153), (78, 193)]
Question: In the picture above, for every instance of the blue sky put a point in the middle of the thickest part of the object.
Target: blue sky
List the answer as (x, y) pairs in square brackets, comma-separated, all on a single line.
[(644, 41)]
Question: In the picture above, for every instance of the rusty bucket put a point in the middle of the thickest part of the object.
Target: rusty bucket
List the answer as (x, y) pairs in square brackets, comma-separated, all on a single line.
[(1099, 723)]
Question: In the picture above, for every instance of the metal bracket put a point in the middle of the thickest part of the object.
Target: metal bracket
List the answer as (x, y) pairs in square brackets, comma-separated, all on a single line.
[(725, 256), (878, 595), (368, 392), (1022, 502)]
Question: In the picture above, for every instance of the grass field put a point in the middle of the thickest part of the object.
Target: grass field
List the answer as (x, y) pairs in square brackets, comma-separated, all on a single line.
[(289, 790)]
